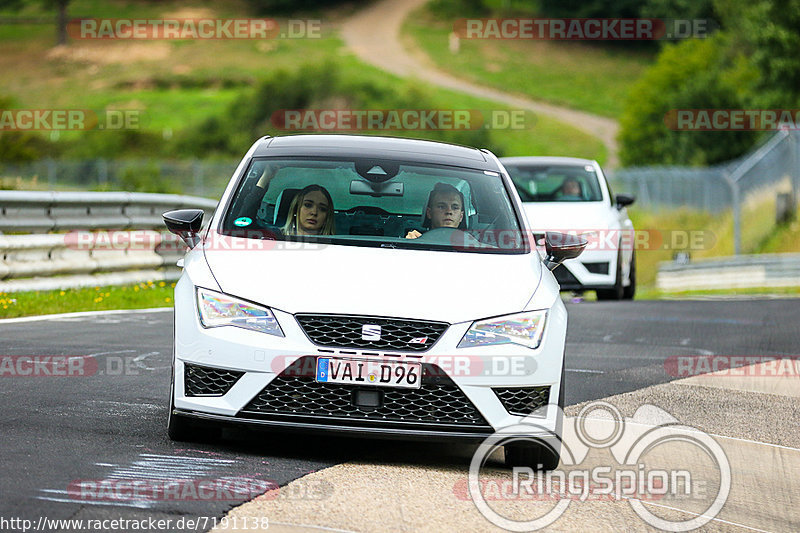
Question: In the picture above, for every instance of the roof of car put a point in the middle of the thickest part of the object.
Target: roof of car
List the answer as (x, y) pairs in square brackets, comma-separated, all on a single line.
[(540, 160), (374, 147)]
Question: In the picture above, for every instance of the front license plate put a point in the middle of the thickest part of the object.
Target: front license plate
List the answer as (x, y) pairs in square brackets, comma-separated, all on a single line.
[(365, 372)]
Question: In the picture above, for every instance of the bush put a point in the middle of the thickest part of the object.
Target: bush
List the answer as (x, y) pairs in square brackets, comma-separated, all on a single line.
[(694, 74), (326, 86)]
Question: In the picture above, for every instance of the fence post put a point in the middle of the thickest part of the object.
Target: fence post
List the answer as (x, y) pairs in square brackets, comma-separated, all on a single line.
[(51, 173), (102, 173), (737, 213), (795, 162), (197, 174)]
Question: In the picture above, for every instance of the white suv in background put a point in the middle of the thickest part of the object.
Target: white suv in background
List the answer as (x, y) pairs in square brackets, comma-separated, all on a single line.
[(571, 195)]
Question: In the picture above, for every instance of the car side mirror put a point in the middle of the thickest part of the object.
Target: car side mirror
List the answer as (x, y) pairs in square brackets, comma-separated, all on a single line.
[(562, 246), (624, 200), (186, 224)]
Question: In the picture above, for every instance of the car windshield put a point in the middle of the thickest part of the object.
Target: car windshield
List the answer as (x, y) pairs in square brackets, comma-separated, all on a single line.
[(379, 203), (556, 183)]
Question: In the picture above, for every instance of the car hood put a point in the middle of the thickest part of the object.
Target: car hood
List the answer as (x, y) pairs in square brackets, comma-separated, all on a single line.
[(568, 216), (443, 286)]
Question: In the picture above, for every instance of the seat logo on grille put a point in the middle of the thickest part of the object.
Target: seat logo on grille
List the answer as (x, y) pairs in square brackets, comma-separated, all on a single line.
[(370, 332)]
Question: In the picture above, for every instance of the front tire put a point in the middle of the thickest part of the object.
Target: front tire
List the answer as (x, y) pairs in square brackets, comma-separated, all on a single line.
[(630, 290), (541, 456), (182, 429)]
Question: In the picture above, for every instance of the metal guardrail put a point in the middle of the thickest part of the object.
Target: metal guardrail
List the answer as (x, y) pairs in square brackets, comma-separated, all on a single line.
[(45, 211), (31, 258), (737, 272)]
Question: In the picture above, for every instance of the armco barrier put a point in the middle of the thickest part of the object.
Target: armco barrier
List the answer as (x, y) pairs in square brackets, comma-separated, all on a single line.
[(33, 258), (738, 272)]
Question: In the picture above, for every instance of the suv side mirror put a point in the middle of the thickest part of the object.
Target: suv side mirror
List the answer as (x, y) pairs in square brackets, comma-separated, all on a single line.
[(185, 223), (623, 200), (562, 246)]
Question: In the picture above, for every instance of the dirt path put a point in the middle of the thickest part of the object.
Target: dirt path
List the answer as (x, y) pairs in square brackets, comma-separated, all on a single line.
[(374, 35)]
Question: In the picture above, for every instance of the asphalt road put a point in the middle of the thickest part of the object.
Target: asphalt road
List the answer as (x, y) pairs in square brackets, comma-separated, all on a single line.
[(58, 431)]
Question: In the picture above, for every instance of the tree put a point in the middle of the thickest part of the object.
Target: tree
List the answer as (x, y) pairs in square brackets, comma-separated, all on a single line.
[(766, 30), (693, 74)]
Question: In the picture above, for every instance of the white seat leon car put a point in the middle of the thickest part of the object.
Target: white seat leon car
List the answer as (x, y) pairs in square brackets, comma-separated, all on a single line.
[(571, 195), (369, 286)]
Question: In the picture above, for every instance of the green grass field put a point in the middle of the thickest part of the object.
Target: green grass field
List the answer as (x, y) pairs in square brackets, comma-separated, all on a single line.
[(573, 74), (141, 296), (177, 84)]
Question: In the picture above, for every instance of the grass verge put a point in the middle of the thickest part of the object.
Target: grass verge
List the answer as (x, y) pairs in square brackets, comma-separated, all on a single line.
[(583, 76), (141, 296)]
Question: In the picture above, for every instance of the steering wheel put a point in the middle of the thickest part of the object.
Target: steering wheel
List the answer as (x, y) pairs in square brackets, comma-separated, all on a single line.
[(454, 236)]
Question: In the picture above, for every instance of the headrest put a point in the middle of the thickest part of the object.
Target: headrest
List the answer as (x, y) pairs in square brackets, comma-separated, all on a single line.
[(282, 206)]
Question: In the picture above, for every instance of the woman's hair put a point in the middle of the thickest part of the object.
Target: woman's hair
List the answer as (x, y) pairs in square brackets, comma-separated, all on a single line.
[(328, 228)]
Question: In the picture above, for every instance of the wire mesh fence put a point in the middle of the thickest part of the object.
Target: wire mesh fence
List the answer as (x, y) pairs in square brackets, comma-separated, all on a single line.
[(765, 178), (770, 169), (771, 166)]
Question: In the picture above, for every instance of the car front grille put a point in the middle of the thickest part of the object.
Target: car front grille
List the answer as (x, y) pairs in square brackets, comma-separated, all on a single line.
[(523, 400), (295, 393), (206, 381), (345, 331)]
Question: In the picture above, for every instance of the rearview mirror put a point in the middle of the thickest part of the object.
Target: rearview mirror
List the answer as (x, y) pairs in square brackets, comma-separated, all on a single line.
[(185, 223), (562, 246), (624, 200)]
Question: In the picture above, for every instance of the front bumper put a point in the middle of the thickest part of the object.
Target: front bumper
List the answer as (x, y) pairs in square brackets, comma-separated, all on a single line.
[(260, 360), (594, 269)]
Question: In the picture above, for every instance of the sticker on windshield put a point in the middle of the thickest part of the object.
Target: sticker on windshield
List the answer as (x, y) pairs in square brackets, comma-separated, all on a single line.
[(243, 221)]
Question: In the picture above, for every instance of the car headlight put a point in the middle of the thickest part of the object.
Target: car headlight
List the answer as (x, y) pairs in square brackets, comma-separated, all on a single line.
[(217, 309), (525, 329)]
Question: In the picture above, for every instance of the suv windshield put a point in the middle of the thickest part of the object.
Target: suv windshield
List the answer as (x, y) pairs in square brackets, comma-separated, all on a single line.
[(375, 203), (556, 183)]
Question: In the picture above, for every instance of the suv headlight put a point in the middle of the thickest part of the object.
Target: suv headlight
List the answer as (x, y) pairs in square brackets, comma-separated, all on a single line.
[(217, 309), (525, 329)]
